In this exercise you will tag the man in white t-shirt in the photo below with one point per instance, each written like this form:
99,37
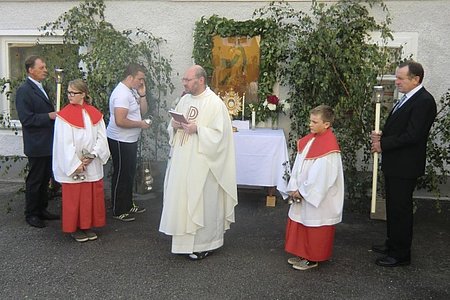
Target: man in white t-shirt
127,104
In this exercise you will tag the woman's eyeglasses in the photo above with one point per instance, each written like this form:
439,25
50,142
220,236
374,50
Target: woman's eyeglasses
72,94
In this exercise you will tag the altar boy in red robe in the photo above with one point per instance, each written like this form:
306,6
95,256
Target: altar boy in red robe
316,190
80,149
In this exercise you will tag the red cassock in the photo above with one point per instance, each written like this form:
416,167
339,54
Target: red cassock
83,205
314,243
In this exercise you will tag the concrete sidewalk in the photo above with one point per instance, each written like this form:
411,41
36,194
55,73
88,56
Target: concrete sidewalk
133,260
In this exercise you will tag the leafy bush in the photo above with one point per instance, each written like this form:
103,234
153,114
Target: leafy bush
330,60
104,54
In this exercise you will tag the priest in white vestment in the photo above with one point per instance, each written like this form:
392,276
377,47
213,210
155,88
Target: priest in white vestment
200,190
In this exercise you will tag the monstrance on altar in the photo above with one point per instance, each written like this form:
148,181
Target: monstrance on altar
233,102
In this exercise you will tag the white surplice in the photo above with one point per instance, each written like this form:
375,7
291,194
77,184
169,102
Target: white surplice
321,183
69,142
200,190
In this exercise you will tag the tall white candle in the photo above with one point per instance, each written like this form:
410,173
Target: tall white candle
253,119
59,76
378,93
243,106
373,202
58,96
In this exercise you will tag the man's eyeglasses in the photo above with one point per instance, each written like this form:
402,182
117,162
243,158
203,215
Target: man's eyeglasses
72,94
188,79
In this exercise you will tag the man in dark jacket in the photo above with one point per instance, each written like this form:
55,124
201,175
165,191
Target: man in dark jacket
403,144
37,115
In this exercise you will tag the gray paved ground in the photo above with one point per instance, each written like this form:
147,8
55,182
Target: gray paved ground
133,260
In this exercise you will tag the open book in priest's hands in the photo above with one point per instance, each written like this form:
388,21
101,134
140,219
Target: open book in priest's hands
178,116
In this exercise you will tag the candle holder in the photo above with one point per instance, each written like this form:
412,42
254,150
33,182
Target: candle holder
59,74
378,93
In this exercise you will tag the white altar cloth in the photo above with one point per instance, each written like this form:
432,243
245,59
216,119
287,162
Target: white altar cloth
261,158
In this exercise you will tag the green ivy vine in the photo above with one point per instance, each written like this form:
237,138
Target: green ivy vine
95,51
330,61
104,54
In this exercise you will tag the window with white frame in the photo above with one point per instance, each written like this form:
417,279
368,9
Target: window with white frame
403,45
16,47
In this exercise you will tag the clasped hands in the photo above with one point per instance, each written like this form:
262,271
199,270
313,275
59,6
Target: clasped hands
85,161
376,141
189,128
294,197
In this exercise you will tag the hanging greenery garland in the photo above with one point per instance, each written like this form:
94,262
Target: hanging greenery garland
270,51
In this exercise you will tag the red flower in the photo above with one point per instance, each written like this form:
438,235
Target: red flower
273,99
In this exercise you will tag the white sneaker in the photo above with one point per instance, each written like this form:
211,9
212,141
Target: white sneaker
137,209
124,217
305,265
295,260
92,236
79,236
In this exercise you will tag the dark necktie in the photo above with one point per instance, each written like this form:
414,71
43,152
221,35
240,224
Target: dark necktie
42,90
399,103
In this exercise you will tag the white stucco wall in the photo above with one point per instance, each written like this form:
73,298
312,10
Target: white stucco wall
175,21
431,21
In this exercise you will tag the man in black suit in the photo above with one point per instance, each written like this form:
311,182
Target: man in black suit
403,144
37,115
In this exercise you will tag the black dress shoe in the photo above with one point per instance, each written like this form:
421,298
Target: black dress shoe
35,222
382,249
46,215
389,261
199,255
